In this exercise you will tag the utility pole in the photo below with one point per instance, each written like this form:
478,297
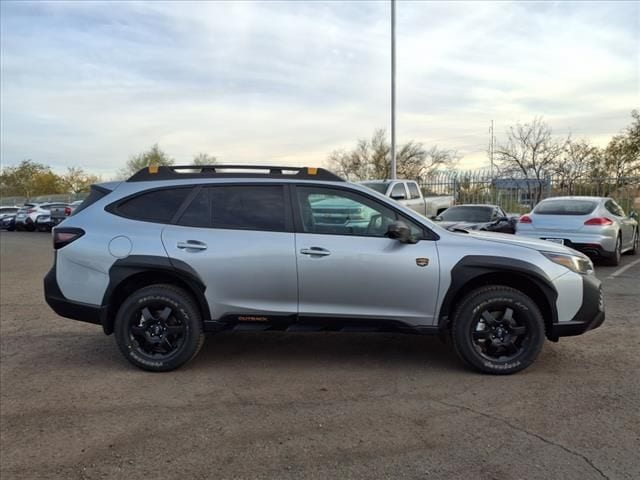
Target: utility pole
393,89
491,148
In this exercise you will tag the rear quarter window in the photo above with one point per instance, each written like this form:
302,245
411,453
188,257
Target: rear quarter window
566,207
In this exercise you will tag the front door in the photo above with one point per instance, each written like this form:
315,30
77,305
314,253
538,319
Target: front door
348,268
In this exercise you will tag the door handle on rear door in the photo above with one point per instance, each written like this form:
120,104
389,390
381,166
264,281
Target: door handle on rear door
322,252
192,245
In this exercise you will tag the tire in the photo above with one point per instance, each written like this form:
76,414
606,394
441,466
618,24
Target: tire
159,328
614,260
491,340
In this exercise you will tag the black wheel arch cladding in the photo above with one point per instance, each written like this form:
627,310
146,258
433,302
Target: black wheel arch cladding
472,267
125,268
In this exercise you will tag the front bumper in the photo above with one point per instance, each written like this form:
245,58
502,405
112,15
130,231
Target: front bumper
591,314
68,308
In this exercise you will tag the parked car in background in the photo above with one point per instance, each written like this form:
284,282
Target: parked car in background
597,226
8,211
34,215
408,193
490,218
57,215
8,222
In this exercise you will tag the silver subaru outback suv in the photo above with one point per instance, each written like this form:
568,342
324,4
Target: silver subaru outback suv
174,252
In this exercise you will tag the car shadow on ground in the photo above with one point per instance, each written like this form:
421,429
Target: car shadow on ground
327,349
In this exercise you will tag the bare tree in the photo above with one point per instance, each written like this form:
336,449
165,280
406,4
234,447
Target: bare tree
370,159
530,151
574,164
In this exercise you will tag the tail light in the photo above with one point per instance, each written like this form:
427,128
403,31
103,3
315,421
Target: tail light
525,219
67,211
64,236
600,221
30,210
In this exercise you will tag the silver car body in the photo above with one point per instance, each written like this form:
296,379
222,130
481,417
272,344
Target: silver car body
257,272
572,230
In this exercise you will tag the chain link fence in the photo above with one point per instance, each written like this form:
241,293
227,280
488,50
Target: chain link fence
519,195
56,197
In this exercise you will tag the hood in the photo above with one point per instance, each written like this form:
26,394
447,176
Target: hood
528,242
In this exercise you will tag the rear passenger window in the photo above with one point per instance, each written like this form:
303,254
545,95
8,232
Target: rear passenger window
248,207
198,213
156,206
413,190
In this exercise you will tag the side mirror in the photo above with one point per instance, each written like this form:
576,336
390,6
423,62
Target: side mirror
401,196
633,215
400,231
436,218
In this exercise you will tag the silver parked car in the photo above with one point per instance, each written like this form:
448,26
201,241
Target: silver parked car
174,252
596,226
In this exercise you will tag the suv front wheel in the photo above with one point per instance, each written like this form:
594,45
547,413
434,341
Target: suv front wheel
498,330
158,328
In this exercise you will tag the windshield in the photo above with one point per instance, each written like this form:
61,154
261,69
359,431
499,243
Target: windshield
467,214
565,207
380,187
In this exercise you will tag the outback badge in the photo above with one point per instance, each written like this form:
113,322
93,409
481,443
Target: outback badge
422,262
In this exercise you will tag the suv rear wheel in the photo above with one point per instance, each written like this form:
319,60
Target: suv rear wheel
497,330
158,328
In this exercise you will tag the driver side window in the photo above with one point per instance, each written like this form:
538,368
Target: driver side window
338,212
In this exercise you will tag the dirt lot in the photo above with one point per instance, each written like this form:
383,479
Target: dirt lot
309,406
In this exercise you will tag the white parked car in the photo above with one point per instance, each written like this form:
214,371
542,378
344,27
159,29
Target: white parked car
596,226
31,214
8,211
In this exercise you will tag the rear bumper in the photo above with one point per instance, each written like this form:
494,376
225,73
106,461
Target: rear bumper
591,314
591,244
68,308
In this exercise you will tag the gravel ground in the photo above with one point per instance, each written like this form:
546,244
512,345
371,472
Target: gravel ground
319,406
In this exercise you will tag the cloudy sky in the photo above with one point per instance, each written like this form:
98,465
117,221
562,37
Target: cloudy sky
90,83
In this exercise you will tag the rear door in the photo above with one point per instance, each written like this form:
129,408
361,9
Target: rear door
348,268
239,239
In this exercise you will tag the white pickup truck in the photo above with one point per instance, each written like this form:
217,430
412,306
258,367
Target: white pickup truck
408,193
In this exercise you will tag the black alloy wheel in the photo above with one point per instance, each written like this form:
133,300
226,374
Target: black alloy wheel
159,328
497,329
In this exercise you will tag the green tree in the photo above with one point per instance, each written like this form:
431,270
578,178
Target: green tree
371,159
620,159
153,156
76,180
29,179
204,159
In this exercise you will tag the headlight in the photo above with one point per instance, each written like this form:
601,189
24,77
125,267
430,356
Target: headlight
575,263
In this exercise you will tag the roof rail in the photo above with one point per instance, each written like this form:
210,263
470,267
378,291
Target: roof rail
173,172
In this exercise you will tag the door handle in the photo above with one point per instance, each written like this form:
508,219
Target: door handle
192,245
321,252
